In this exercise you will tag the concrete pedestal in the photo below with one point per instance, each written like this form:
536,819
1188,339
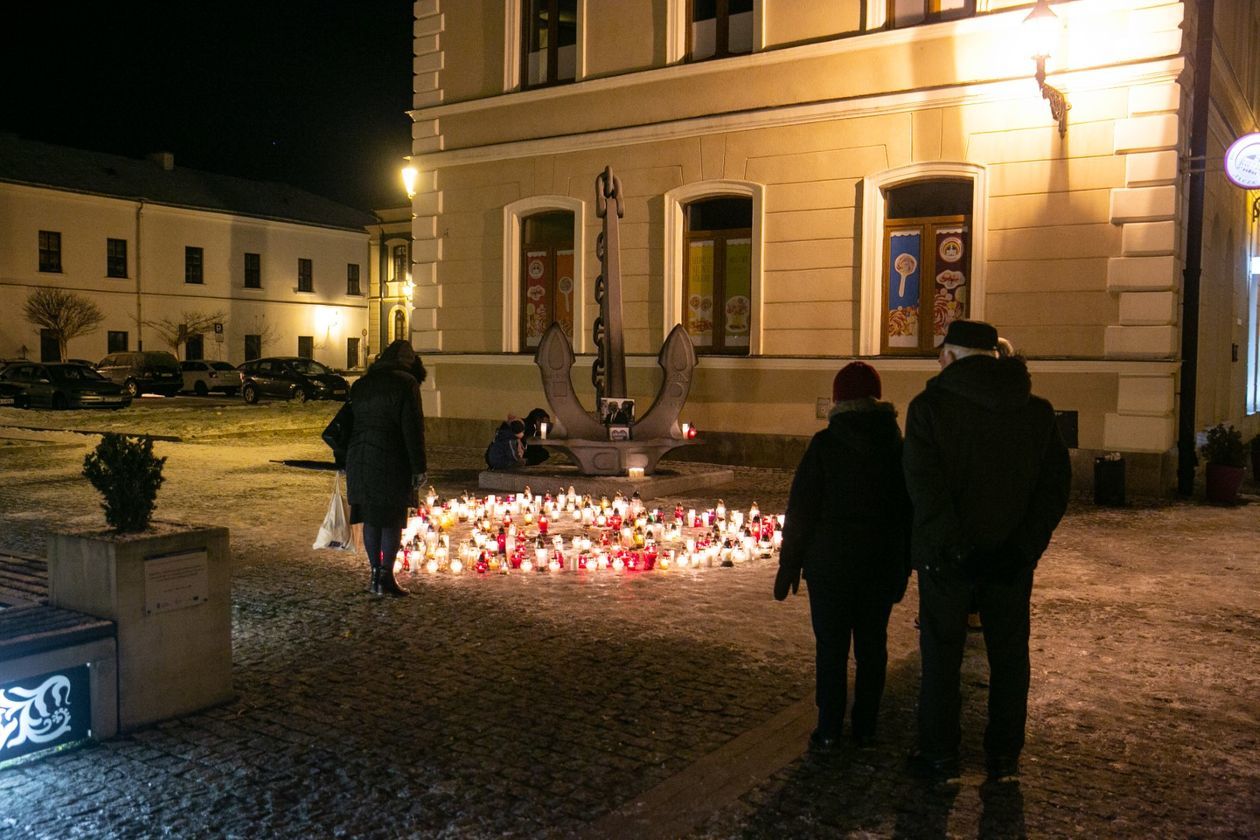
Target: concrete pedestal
169,591
547,478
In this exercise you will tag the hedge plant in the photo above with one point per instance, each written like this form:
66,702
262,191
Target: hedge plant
127,474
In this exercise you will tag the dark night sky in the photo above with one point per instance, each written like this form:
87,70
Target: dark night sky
312,94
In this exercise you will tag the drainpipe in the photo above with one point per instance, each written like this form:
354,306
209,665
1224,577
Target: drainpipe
380,288
139,293
1186,424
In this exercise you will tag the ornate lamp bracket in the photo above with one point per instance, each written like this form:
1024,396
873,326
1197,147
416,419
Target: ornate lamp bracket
1059,105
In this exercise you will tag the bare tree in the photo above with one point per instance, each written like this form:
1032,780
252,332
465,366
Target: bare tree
65,314
267,331
176,331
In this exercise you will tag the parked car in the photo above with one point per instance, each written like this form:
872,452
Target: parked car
143,372
291,377
64,385
12,395
202,377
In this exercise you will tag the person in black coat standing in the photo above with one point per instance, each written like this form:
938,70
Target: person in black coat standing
846,527
989,476
385,461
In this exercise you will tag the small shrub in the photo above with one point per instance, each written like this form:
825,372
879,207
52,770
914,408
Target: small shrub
124,470
1224,446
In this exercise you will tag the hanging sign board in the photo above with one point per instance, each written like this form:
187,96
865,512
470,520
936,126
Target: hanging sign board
1242,161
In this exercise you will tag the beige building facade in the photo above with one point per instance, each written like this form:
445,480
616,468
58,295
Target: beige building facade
806,183
147,241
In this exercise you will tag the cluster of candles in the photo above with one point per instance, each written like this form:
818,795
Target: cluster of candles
518,532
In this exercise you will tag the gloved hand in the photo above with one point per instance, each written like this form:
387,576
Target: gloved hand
788,577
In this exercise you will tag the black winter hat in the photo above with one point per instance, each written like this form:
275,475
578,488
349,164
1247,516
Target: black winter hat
974,334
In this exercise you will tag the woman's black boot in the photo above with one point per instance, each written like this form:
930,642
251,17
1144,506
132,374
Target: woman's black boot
375,585
389,586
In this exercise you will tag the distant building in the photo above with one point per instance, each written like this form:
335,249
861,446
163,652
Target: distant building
809,182
148,241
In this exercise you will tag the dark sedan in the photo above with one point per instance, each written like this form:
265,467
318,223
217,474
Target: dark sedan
12,396
64,386
291,377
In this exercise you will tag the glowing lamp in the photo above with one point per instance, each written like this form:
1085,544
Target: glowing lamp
1041,30
410,178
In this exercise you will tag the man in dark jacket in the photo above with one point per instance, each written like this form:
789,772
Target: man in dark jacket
847,523
385,461
989,477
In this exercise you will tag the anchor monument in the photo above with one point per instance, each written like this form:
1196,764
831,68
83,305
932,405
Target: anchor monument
581,433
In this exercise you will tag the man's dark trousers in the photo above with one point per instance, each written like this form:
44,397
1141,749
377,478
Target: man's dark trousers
836,611
943,607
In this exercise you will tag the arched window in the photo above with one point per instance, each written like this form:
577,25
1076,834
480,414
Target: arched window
400,325
927,263
547,285
923,255
717,274
542,235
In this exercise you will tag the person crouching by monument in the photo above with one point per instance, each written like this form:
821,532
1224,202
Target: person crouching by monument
507,450
385,461
989,476
847,527
534,421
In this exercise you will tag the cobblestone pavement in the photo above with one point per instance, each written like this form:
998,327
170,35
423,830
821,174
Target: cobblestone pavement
531,705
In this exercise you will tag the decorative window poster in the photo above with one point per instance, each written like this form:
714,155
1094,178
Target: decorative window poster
902,286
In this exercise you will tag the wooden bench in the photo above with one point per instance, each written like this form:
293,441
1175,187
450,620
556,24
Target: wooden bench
23,580
61,665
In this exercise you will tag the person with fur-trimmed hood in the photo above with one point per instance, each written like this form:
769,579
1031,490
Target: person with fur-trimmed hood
385,460
847,528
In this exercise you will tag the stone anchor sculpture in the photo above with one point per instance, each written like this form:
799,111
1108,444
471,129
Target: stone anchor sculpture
578,431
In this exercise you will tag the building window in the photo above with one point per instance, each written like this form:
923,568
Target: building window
399,260
49,250
352,279
306,281
719,28
253,347
717,274
926,264
49,346
116,341
1253,339
306,346
195,347
400,325
914,12
253,271
194,260
550,42
115,257
547,287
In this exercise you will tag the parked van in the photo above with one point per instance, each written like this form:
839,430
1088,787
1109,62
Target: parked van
147,372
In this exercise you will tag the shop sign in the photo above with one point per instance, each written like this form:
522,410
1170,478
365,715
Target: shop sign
1242,161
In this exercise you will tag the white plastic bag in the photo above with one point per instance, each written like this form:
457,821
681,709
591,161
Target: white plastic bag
335,532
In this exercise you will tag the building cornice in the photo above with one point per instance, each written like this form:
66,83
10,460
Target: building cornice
998,23
1150,72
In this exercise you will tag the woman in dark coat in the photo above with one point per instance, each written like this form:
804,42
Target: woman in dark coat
385,463
848,526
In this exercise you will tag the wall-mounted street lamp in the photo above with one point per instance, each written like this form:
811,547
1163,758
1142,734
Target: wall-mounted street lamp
410,177
408,289
1042,30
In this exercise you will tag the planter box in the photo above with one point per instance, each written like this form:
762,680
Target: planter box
169,591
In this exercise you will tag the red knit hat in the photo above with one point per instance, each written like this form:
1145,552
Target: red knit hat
854,381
